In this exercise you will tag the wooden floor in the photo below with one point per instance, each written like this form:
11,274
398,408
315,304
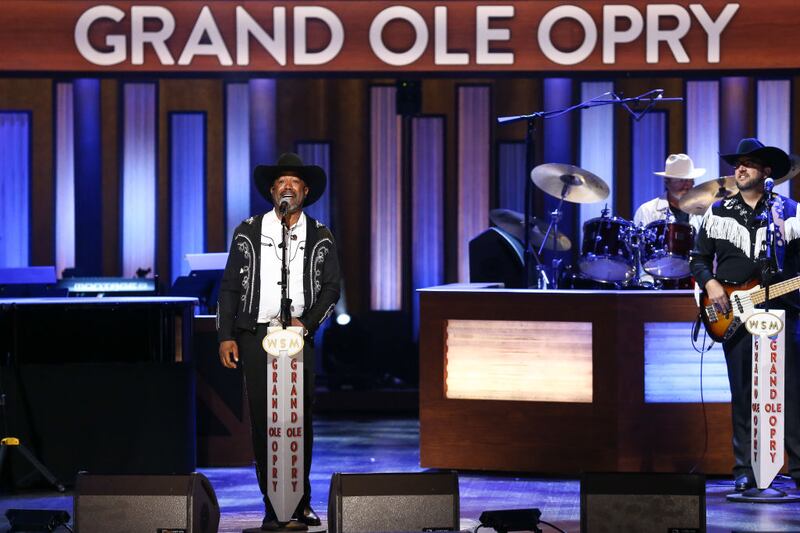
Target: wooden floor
391,444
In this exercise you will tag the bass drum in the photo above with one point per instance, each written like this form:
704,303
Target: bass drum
605,252
666,249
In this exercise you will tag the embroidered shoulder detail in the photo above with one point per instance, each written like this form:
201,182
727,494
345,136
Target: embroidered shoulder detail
319,224
250,220
728,229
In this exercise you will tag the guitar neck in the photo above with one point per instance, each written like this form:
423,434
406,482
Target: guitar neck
779,289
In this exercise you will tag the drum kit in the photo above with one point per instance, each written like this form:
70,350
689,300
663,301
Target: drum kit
615,253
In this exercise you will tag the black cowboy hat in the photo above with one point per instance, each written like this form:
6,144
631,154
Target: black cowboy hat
769,156
290,163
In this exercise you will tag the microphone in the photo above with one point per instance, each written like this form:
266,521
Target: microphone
283,207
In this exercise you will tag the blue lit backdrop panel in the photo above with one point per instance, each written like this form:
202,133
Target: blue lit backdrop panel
238,174
649,152
15,162
427,192
596,148
702,126
187,179
319,153
263,118
736,99
139,178
511,175
88,177
773,117
65,178
386,215
558,148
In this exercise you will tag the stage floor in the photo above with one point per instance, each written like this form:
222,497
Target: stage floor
391,444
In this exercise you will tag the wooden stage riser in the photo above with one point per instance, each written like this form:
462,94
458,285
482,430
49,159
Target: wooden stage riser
616,430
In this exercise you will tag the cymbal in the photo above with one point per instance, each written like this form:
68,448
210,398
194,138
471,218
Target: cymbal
794,170
577,185
700,197
513,222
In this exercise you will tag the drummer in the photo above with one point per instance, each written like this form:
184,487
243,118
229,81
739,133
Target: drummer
679,174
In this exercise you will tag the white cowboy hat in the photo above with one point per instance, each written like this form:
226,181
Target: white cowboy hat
680,166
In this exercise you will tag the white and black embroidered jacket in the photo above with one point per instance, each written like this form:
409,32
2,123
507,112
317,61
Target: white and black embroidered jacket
237,307
735,233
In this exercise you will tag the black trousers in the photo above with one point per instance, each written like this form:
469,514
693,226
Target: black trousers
739,359
254,365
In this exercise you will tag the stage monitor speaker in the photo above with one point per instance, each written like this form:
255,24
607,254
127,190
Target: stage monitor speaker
496,256
360,503
137,503
643,502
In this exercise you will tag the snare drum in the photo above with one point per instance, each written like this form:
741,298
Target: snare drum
605,253
666,249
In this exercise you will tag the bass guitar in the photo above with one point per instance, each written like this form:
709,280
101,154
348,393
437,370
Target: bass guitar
744,298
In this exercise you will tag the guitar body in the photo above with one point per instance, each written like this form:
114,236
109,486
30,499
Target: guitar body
722,327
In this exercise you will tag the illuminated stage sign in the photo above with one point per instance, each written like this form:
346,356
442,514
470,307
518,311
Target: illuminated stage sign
423,36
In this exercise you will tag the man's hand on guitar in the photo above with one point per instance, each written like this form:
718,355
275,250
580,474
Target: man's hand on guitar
717,295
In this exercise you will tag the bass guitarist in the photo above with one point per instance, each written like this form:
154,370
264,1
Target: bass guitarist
732,232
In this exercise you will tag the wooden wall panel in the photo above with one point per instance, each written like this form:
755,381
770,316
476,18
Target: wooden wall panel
616,431
192,95
37,96
439,98
348,129
111,142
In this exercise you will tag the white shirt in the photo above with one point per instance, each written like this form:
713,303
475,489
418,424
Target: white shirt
269,305
656,209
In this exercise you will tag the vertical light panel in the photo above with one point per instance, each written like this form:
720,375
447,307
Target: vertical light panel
649,149
702,126
427,192
474,124
559,147
773,115
511,175
387,195
187,179
319,154
65,178
597,147
15,171
672,367
237,156
88,177
139,178
263,117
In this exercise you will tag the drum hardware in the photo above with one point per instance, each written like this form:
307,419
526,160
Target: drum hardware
581,186
513,223
570,183
700,197
540,235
